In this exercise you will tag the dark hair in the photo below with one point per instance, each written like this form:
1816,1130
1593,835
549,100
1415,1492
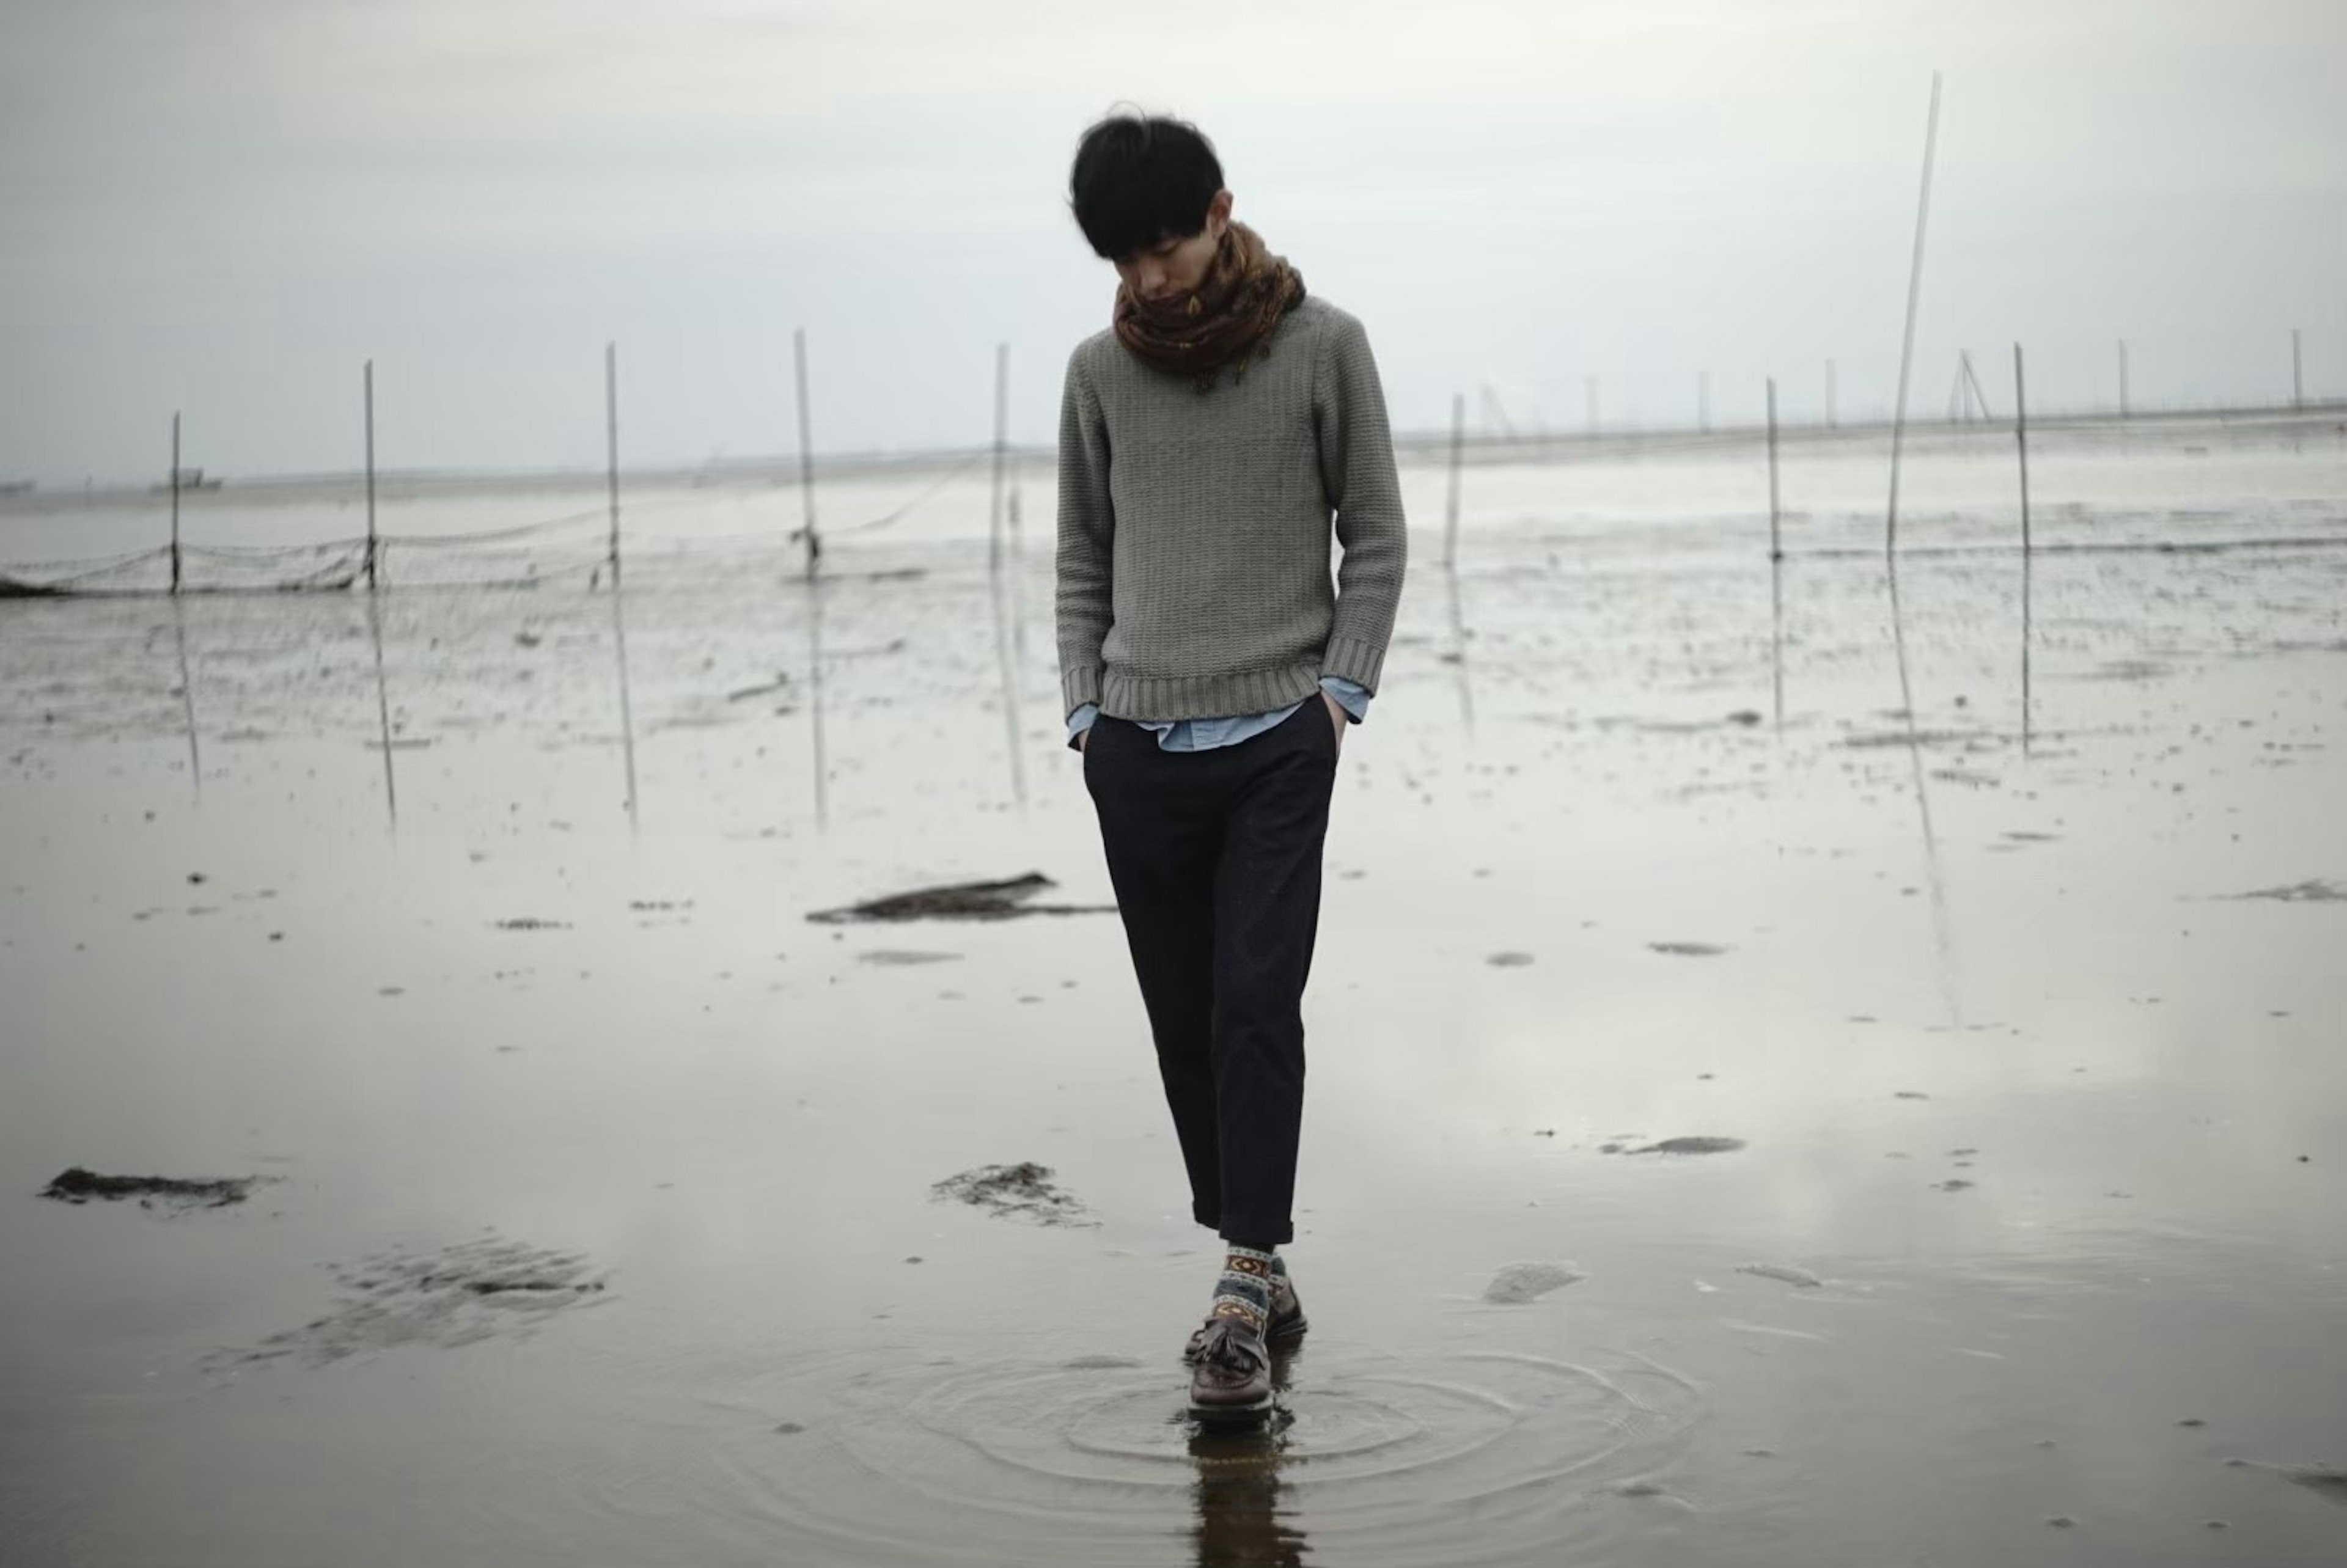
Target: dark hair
1139,179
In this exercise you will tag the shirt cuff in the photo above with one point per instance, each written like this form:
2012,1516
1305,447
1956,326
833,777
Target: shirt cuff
1082,720
1351,696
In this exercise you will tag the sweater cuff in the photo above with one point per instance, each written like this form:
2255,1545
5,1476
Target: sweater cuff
1355,659
1079,686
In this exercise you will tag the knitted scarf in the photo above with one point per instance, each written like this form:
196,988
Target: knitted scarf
1228,321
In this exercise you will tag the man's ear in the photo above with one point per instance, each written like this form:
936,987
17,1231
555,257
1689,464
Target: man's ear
1218,213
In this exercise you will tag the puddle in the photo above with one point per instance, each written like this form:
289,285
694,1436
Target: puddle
1522,1282
458,1296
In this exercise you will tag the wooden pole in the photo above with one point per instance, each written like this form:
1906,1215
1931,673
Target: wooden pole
1972,381
371,547
1450,517
1914,292
175,503
1002,445
2021,439
1776,540
806,457
612,449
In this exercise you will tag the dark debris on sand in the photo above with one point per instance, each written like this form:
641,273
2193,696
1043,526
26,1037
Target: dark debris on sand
1696,1145
2317,890
1003,900
1023,1190
77,1185
2324,1481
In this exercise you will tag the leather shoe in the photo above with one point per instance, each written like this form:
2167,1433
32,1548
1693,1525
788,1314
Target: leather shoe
1286,1326
1233,1374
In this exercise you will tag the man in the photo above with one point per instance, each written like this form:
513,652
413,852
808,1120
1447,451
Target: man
1209,439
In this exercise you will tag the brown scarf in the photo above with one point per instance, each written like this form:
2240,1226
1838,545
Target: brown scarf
1228,321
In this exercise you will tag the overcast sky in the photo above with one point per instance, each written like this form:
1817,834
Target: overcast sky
225,206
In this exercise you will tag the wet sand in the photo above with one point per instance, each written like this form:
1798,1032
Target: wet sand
1756,1117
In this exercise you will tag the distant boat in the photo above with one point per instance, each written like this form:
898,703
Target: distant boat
191,479
15,487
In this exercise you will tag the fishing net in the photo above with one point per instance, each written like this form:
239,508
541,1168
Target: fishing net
668,533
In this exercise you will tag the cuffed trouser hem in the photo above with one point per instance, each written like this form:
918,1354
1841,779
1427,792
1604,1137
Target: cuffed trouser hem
1239,1228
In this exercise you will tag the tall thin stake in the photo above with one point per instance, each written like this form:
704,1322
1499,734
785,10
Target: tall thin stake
2021,439
1001,446
1451,515
1973,387
371,549
1776,541
806,457
2297,373
1914,293
175,503
611,449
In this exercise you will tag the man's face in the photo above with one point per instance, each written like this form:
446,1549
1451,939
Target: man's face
1174,267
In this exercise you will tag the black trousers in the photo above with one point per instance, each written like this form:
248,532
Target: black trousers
1215,857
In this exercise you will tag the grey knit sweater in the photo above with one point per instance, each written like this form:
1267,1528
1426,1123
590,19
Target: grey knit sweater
1194,576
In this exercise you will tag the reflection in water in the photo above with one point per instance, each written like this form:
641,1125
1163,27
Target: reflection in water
2027,572
383,710
1457,658
1238,1490
1944,963
1776,633
1004,593
626,714
815,590
187,696
1018,576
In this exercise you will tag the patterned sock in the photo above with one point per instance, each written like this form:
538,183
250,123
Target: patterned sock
1244,1289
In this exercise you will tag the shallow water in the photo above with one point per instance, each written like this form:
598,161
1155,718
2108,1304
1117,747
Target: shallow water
2024,1209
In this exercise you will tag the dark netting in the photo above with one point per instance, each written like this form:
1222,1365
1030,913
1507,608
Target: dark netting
573,550
140,571
261,569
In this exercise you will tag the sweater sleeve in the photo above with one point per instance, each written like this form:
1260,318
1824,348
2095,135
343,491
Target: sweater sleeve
1087,531
1364,491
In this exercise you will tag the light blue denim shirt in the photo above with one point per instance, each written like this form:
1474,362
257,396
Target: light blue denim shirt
1208,734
